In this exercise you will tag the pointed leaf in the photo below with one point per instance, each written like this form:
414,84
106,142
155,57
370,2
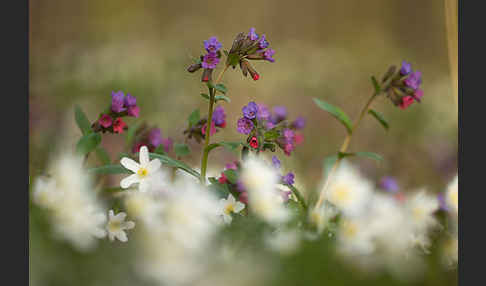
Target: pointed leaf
175,163
160,150
271,134
231,176
103,155
221,88
231,146
376,85
181,149
380,118
336,112
131,132
205,96
370,155
222,97
194,117
82,121
88,143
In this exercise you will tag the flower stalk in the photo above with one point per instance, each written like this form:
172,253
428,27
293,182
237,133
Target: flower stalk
204,159
343,149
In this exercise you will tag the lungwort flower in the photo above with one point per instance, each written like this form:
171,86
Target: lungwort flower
117,225
143,171
228,206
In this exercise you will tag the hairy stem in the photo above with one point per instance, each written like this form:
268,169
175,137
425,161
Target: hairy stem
343,149
204,159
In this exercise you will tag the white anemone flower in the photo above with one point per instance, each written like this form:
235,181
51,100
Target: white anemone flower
74,211
452,196
117,225
228,206
349,191
265,200
421,208
143,171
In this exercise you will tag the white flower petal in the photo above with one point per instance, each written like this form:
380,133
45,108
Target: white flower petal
231,199
128,181
120,217
153,166
227,218
143,186
128,225
239,206
130,164
122,236
111,214
144,156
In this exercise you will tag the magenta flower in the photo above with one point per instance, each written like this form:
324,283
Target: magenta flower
406,102
280,114
267,55
250,111
413,80
263,112
288,148
219,116
212,45
210,61
155,137
406,68
289,178
213,128
262,43
418,94
130,100
275,162
117,101
119,125
288,135
167,143
252,35
299,123
133,111
245,125
231,166
105,120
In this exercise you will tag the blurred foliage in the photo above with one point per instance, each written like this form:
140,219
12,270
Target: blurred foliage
82,50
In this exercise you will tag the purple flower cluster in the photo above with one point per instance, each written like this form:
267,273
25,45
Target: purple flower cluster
412,81
198,130
121,105
210,60
270,127
153,139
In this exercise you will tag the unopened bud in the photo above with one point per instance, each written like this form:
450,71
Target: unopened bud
194,67
389,73
206,76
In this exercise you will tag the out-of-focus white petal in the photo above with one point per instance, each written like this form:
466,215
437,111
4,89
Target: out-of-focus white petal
130,164
128,181
144,156
153,166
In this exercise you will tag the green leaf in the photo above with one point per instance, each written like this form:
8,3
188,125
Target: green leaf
380,118
376,85
82,121
175,163
88,143
181,149
225,52
233,59
370,155
222,97
299,196
160,150
231,176
336,112
109,169
194,117
271,134
205,96
221,88
231,146
103,155
132,130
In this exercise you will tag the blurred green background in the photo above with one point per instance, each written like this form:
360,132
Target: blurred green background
82,50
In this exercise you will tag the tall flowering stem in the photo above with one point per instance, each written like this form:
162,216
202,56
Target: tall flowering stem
343,149
204,159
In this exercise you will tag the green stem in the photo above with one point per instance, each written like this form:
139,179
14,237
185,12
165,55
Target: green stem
204,159
299,196
343,149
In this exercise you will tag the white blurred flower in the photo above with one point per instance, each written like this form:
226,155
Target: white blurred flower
320,217
265,200
176,239
420,208
348,190
228,206
144,171
450,252
452,196
283,241
75,213
117,225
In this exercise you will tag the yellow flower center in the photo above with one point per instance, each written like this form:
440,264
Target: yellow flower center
350,229
142,172
229,208
342,194
114,226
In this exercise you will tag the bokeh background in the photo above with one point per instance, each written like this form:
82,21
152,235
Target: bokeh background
82,50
